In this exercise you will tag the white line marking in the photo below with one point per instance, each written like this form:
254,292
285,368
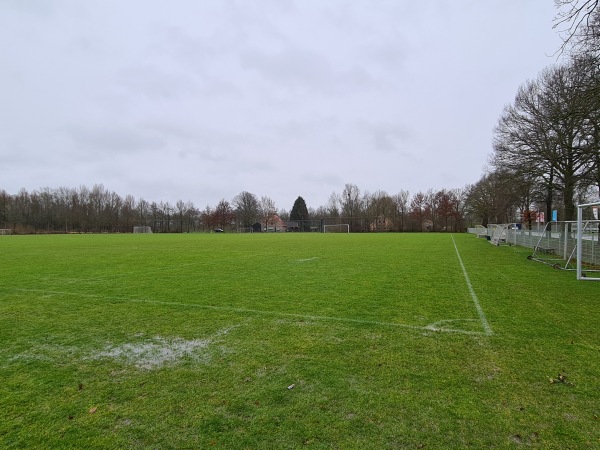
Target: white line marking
484,322
307,259
431,327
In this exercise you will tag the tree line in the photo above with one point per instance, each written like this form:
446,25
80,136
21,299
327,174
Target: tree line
100,210
545,147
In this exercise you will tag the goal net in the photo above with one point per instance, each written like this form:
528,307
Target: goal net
480,231
588,245
142,229
5,231
570,245
338,228
504,233
556,245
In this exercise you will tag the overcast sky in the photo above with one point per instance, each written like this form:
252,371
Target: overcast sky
202,99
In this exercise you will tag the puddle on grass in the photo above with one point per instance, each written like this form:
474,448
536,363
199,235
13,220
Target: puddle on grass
141,352
154,353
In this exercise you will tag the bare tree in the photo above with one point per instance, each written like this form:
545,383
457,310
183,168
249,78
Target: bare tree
267,210
246,207
351,203
180,210
578,22
545,134
333,205
418,211
401,199
381,211
493,199
459,201
224,214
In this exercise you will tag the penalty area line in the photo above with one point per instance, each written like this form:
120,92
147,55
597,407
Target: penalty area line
482,318
427,328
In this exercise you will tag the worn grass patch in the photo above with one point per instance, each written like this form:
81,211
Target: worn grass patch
293,340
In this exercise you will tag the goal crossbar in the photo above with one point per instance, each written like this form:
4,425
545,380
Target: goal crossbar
337,228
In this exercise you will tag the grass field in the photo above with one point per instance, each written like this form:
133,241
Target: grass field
292,341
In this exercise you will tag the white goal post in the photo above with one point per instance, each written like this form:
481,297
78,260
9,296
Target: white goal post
5,231
338,228
588,245
503,233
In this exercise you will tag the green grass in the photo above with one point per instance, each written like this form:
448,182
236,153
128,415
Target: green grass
191,341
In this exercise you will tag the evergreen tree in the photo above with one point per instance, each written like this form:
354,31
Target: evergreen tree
299,213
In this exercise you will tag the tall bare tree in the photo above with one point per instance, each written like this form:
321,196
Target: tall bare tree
267,210
351,204
401,199
493,199
246,207
224,214
545,134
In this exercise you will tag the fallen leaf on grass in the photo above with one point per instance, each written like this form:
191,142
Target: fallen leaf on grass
93,410
561,378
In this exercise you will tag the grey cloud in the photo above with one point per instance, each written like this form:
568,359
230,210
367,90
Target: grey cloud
155,82
112,139
304,70
386,136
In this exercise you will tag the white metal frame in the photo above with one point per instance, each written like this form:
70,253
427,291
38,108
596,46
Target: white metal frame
502,234
337,225
580,232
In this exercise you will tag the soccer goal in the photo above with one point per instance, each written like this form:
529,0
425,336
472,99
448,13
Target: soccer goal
338,228
143,229
480,231
588,245
504,233
571,245
556,245
5,231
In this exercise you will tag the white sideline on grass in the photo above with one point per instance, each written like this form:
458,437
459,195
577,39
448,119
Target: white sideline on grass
484,322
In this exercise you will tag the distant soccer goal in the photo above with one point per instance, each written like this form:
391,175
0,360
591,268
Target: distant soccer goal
5,231
338,228
588,245
143,229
